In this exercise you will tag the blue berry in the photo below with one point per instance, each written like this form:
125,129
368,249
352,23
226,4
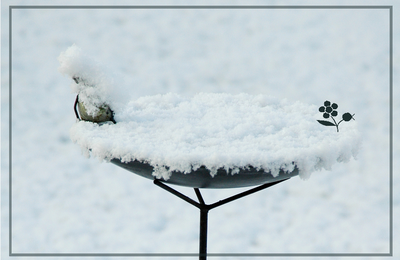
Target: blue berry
347,117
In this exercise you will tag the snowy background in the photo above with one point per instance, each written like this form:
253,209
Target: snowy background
63,202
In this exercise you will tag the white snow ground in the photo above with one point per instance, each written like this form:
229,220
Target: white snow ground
63,202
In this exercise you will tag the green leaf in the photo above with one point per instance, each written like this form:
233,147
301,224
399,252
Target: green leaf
327,123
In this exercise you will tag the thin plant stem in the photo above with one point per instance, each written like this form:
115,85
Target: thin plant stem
337,125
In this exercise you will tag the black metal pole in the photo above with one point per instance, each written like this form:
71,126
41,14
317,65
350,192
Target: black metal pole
203,233
204,208
203,225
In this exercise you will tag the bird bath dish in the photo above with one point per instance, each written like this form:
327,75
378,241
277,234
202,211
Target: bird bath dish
209,140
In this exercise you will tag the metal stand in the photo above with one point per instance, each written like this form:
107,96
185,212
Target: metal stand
204,208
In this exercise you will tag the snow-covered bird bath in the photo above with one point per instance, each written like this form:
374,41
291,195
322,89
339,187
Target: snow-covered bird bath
219,133
209,140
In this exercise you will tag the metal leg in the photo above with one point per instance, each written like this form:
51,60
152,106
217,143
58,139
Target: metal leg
204,208
203,234
203,225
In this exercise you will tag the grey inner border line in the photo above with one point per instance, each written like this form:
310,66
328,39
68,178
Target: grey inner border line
200,7
391,129
196,255
390,8
9,130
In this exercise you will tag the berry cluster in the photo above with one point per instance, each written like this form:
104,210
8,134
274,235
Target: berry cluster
329,110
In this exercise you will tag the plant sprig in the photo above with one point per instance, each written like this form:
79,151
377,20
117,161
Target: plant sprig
329,111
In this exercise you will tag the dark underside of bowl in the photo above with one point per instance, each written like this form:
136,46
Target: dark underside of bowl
201,177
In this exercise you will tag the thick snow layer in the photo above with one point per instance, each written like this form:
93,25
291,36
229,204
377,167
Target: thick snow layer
215,130
97,86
